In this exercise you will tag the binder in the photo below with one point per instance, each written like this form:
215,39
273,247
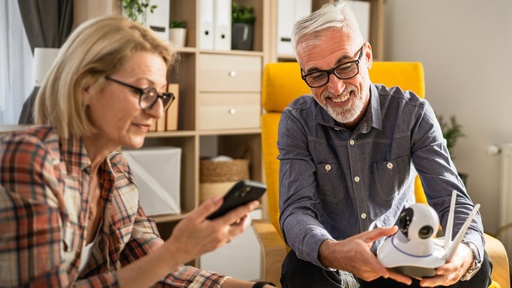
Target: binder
361,11
206,24
158,21
171,115
169,121
222,22
288,12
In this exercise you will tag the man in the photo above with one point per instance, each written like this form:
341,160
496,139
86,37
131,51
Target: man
349,155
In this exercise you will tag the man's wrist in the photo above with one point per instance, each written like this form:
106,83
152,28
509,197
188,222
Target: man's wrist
324,252
476,262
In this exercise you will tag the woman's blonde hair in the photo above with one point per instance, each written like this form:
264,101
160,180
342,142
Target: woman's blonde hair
97,48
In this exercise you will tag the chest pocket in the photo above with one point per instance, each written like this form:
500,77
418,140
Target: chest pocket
390,176
330,182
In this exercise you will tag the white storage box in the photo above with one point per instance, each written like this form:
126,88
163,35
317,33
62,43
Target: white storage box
157,174
241,258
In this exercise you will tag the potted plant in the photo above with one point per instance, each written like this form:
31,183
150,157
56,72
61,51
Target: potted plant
178,33
137,9
242,26
452,131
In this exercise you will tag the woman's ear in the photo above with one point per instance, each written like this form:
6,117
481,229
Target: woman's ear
87,90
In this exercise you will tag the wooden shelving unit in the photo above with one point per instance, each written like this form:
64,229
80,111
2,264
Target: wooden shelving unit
200,95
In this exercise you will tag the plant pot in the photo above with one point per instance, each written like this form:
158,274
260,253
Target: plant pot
241,36
178,36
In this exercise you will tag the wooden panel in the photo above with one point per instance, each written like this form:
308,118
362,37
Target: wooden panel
229,73
85,10
228,110
274,250
499,259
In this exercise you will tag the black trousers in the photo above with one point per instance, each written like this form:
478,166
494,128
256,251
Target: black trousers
297,273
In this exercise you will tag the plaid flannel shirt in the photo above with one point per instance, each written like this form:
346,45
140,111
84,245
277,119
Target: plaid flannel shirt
43,217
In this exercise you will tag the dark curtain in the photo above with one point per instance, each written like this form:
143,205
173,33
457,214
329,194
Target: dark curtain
47,23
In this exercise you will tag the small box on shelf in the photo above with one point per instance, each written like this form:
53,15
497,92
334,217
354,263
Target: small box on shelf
157,173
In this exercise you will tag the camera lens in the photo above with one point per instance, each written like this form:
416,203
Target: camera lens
425,232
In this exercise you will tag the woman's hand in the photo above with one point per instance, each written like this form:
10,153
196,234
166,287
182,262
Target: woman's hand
196,235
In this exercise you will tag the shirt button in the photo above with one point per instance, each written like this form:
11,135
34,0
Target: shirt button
390,165
357,179
327,167
363,215
352,142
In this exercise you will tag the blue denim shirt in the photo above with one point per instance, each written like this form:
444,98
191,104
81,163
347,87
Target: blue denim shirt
335,183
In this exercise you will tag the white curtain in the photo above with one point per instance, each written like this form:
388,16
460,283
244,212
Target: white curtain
15,63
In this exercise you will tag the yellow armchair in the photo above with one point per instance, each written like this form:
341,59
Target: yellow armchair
282,84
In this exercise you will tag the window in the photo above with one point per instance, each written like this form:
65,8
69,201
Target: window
16,58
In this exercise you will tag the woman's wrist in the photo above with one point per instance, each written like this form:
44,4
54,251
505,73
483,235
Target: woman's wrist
261,284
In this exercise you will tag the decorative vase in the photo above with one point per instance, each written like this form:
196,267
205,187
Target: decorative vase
178,36
241,36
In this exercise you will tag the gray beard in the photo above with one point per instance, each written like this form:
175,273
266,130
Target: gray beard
346,114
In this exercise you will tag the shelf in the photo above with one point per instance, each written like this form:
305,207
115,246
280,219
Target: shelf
167,218
250,131
178,133
10,128
232,52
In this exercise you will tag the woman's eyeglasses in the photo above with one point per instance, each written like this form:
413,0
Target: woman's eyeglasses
148,96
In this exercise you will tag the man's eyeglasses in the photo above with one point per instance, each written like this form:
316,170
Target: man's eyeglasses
343,71
148,96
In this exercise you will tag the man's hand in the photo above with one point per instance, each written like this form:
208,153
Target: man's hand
450,273
353,255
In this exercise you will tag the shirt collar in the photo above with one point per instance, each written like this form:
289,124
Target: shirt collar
74,154
374,108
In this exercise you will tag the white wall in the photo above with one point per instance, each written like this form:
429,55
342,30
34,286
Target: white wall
465,47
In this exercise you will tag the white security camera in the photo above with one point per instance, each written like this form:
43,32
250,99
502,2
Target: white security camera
417,226
413,250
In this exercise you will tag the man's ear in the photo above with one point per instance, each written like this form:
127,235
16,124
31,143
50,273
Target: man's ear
369,55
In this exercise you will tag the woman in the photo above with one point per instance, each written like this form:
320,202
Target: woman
69,205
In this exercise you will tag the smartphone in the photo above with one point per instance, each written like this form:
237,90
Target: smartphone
243,192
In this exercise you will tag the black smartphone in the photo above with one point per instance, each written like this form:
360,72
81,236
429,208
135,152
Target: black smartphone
243,192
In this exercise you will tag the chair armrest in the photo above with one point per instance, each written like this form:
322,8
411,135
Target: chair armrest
499,259
273,249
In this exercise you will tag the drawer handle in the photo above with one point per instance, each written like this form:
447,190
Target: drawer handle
232,73
232,111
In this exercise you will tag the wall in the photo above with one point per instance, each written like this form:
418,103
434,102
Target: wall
465,47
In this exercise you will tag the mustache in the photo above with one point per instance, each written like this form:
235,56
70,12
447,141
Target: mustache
346,91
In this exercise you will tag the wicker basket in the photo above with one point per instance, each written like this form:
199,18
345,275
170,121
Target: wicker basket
216,177
207,190
223,171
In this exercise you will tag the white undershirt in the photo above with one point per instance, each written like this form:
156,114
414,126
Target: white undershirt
86,251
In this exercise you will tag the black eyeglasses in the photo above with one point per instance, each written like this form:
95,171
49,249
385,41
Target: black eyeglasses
148,96
343,71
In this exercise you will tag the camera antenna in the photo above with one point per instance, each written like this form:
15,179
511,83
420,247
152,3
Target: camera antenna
452,246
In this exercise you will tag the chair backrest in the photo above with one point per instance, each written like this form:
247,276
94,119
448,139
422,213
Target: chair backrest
282,84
